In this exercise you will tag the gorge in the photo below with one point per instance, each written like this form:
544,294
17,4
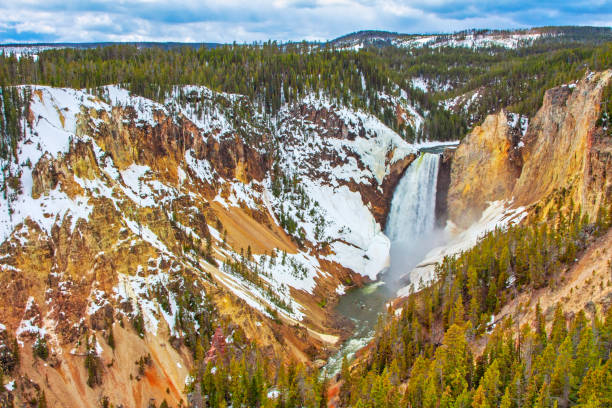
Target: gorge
410,227
184,244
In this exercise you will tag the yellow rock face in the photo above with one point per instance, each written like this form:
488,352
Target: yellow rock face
484,168
564,150
563,158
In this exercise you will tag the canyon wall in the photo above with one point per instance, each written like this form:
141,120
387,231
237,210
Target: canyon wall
133,230
561,158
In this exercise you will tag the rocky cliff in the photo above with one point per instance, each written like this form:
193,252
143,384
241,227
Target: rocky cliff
564,149
133,230
561,159
512,167
484,168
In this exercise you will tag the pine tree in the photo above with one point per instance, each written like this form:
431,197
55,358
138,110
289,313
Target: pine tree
597,386
540,324
559,327
487,393
457,312
586,354
561,379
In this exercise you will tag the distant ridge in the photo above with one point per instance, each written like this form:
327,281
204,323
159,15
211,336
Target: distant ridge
510,38
477,37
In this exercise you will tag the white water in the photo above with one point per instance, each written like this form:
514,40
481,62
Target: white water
413,206
412,217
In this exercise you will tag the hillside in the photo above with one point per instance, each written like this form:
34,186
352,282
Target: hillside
177,218
517,310
473,38
178,224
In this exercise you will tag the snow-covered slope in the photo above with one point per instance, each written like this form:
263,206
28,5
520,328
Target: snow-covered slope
277,212
469,39
329,168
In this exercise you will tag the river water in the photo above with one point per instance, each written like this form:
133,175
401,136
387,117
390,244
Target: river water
411,229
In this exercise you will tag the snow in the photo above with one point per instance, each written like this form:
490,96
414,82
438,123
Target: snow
427,85
221,201
248,292
298,271
137,190
215,234
20,51
145,108
28,326
55,113
98,348
147,235
10,386
470,40
491,324
420,83
308,266
134,290
207,115
201,168
372,150
267,201
413,117
273,394
520,122
341,289
138,289
241,193
366,262
465,101
45,211
97,300
359,242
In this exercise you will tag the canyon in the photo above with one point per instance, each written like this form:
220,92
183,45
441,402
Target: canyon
156,224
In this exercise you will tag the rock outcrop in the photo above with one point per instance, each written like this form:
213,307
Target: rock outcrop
443,185
561,160
564,150
484,168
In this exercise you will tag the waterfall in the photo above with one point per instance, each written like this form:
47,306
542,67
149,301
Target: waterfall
410,227
413,207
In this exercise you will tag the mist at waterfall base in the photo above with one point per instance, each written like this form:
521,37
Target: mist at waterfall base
411,224
407,254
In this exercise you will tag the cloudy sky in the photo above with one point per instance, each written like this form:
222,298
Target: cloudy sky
260,20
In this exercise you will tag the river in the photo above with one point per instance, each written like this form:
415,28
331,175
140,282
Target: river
411,229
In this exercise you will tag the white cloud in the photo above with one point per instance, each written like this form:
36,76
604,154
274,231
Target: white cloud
258,20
